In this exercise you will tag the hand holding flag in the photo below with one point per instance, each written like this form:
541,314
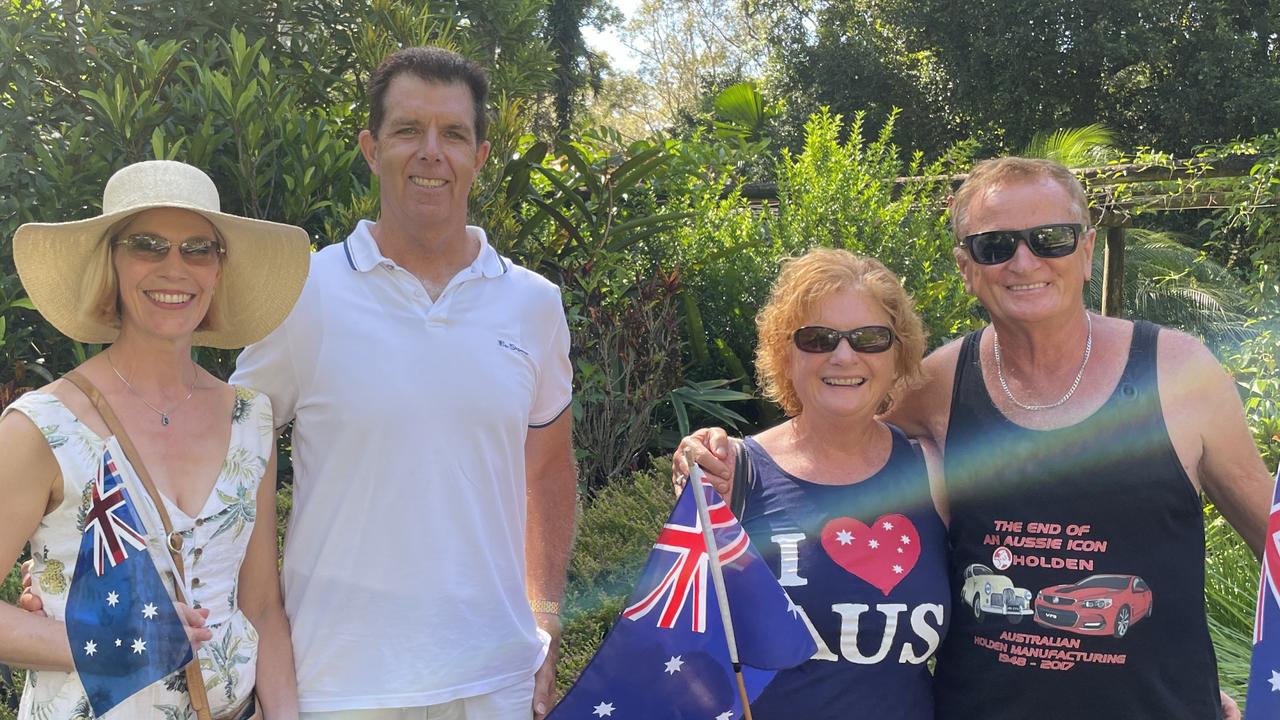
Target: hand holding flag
667,656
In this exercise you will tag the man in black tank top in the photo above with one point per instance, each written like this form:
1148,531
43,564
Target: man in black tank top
1076,447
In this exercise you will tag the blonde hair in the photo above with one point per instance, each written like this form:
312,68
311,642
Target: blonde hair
996,172
804,283
100,288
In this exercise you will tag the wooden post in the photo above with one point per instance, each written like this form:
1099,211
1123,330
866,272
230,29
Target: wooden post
1113,273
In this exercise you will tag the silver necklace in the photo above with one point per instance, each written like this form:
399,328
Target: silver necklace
164,414
1004,384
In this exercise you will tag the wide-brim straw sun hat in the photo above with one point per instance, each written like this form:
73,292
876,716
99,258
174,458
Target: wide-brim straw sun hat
263,270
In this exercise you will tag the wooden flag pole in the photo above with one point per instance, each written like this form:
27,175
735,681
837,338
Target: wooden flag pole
717,576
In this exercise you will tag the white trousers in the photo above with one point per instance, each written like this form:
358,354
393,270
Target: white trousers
514,702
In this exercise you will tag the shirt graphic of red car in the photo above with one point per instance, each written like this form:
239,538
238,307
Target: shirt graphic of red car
1097,605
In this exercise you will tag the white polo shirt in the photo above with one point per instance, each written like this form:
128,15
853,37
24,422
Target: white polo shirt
404,562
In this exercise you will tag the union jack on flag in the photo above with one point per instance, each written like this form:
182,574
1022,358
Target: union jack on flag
655,663
107,520
124,631
688,574
1264,674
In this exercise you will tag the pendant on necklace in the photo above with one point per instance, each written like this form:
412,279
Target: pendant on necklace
164,418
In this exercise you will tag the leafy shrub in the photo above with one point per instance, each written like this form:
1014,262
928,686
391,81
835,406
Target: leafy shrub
616,528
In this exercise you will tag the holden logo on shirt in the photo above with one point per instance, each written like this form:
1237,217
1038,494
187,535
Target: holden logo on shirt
882,553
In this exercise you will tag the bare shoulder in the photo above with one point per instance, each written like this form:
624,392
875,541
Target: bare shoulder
1189,373
25,456
924,410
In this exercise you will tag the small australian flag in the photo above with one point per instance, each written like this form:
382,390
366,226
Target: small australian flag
666,656
124,630
1263,702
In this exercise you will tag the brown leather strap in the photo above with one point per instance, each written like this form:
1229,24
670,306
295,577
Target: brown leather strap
195,677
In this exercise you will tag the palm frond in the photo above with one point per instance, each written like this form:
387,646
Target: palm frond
1073,147
1173,284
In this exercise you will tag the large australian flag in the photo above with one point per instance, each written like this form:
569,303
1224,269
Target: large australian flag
1263,702
124,631
666,656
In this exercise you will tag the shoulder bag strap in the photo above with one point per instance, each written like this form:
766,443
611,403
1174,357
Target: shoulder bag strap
195,677
743,477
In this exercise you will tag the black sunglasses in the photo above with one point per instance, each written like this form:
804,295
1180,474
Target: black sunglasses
1046,241
819,339
154,248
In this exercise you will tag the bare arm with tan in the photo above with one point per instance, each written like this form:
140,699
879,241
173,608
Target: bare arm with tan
552,485
1209,432
924,411
30,483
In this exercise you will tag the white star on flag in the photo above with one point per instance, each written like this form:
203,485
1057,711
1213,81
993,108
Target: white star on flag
844,537
726,715
673,665
113,598
90,648
900,552
117,642
887,525
603,709
906,540
897,569
149,611
138,646
792,607
1275,681
873,544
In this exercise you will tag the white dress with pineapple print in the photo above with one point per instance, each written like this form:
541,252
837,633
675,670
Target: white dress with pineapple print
214,544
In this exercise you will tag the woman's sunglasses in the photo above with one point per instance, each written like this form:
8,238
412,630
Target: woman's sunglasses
868,339
1047,241
154,248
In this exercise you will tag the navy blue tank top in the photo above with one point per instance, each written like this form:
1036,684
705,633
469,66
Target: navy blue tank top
1078,558
866,565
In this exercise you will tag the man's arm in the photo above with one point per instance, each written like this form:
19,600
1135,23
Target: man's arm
1207,425
923,411
552,486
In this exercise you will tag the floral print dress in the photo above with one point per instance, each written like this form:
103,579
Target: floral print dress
214,544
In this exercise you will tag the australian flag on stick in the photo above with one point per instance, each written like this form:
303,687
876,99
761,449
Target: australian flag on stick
666,656
1263,702
124,630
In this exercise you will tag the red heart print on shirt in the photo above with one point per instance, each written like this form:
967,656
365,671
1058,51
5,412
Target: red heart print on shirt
883,553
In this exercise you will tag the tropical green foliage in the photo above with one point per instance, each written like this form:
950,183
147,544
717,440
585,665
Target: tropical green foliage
1170,283
1172,74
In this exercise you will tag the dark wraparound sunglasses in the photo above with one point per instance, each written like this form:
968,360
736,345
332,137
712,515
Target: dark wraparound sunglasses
154,248
868,339
1046,241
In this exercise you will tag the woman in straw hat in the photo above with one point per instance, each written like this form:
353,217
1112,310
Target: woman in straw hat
161,270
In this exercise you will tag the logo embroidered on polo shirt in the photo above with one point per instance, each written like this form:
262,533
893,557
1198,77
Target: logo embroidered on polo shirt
513,346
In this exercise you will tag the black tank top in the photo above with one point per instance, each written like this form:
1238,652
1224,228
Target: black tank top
1077,561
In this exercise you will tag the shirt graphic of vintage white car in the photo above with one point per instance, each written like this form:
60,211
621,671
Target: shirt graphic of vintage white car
986,593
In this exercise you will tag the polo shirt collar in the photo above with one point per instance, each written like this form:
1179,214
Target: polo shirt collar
363,254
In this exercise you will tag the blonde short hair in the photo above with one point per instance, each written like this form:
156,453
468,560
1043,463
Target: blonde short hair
100,288
804,283
996,172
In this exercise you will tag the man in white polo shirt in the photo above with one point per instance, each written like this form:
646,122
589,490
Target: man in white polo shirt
428,380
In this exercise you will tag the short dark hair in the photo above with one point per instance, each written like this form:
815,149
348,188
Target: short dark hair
433,65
